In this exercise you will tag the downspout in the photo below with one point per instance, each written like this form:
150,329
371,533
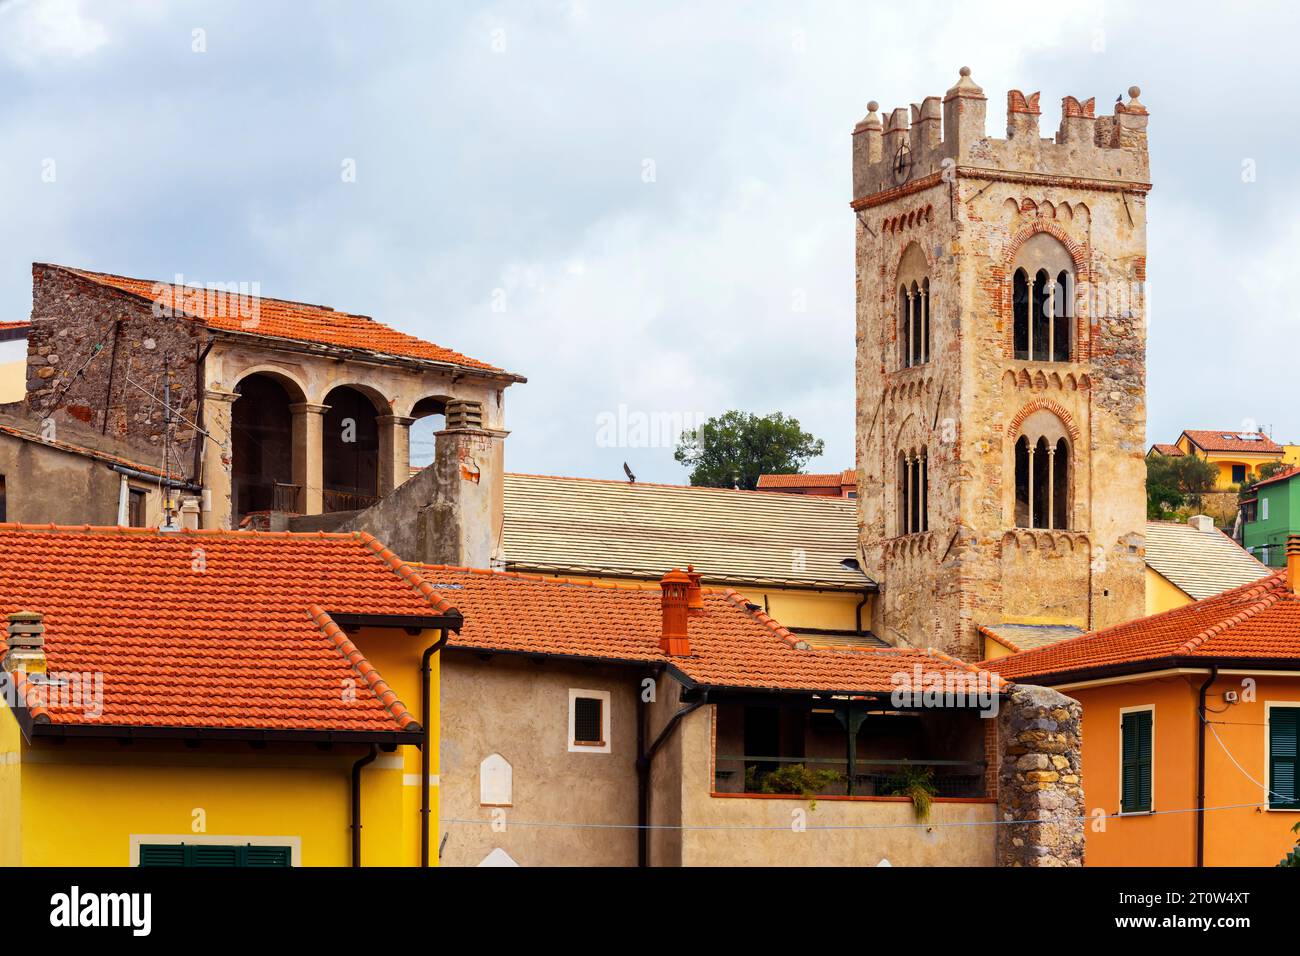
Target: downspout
1200,766
643,767
426,759
857,612
356,801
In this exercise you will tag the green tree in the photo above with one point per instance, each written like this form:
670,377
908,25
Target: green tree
1176,481
734,448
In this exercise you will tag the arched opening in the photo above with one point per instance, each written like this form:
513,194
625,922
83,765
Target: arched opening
1042,308
913,492
430,416
1042,483
350,448
913,308
261,442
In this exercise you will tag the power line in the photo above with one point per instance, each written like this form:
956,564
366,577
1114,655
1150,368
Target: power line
844,826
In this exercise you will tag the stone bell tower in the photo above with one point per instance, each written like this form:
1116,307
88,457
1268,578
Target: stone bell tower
1001,377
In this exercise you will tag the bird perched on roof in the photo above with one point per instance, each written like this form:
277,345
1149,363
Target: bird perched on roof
631,478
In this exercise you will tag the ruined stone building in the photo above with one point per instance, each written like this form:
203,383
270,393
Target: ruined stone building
1001,338
263,407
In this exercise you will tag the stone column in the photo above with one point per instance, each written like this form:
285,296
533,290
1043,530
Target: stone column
309,455
394,451
1040,788
215,503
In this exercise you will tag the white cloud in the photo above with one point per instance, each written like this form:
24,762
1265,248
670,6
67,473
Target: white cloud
41,31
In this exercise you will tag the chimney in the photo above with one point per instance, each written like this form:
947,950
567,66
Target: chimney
1201,522
26,643
694,596
1292,564
676,587
190,514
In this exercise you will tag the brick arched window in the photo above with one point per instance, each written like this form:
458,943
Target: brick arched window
1042,474
913,491
913,309
1042,301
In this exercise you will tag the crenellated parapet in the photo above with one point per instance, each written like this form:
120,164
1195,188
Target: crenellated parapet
913,146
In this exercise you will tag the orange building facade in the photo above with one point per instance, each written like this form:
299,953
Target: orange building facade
1163,786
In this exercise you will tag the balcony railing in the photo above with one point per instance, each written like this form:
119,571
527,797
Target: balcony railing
285,497
872,777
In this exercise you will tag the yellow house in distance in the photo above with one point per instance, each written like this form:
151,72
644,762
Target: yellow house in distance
220,696
1238,456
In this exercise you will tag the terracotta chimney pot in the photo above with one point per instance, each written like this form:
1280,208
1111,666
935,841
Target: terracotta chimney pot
673,640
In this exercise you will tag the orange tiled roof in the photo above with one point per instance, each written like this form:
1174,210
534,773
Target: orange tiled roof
278,318
835,480
1228,440
1255,621
245,641
1172,451
731,645
8,326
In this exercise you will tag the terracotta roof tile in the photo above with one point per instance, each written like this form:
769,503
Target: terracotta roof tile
1259,620
836,480
1228,440
731,644
278,318
1173,451
244,639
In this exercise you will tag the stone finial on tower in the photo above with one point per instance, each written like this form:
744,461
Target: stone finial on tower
964,109
1131,121
1022,115
1078,120
867,134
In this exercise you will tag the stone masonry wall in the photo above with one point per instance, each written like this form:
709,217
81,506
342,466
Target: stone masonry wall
86,340
964,207
1040,785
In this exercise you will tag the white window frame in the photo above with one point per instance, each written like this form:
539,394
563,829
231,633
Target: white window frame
1268,752
603,697
1119,764
1263,507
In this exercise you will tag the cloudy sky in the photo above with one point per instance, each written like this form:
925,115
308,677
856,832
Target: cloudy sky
637,205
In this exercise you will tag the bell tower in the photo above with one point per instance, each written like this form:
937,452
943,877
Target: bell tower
1001,368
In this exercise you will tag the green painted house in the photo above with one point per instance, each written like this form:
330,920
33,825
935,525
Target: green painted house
1269,515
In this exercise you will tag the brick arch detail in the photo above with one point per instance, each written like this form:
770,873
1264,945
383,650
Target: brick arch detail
1003,272
1044,404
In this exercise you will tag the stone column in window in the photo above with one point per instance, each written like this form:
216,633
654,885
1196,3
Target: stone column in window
1051,486
1032,447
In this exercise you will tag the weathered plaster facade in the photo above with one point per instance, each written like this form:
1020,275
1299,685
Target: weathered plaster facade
960,212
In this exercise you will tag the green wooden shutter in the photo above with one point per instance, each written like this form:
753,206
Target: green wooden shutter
1283,743
162,854
208,854
1135,762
